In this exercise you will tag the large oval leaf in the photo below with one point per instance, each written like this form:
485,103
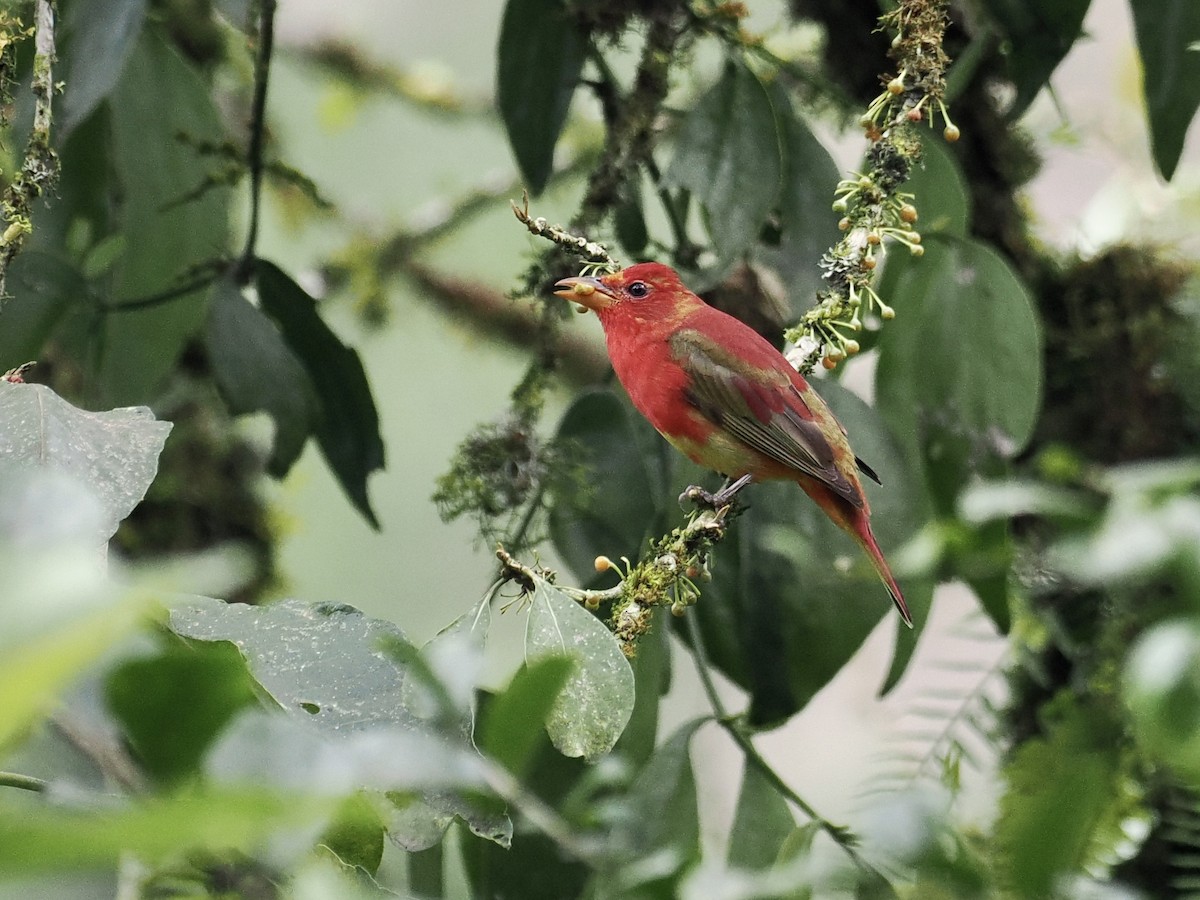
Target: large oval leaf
597,700
1167,32
728,155
964,353
539,58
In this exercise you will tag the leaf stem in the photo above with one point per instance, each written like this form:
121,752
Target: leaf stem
258,115
840,835
166,296
23,782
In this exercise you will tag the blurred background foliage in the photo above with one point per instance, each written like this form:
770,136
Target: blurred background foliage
315,273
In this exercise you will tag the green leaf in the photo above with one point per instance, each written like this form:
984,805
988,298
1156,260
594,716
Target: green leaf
197,687
963,356
807,221
540,56
115,452
595,704
1037,35
660,821
792,596
939,191
43,288
257,372
509,737
100,35
1170,73
1060,785
762,823
152,830
1162,690
348,426
322,663
728,154
652,677
158,97
319,661
626,483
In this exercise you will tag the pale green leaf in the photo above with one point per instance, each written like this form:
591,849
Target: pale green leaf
595,704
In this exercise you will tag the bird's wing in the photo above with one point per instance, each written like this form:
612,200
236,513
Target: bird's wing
761,408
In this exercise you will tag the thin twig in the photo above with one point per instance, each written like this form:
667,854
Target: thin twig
258,127
23,782
165,296
840,835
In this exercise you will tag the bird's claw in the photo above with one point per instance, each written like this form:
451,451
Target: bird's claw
694,495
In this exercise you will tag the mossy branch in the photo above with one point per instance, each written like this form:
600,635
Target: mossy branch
39,167
872,204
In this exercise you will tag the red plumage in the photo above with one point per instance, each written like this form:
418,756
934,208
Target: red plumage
723,396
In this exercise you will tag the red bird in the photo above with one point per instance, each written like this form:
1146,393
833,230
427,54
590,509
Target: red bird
724,397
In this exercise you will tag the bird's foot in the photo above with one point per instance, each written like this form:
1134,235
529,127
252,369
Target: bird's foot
698,496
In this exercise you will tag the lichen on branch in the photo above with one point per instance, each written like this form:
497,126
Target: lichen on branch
873,207
39,165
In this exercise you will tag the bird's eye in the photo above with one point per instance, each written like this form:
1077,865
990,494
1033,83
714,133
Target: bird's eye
638,290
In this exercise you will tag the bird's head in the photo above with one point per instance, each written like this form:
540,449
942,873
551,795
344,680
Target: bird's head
643,291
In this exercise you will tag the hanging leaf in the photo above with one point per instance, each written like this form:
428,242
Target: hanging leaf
1166,31
158,97
510,738
807,221
964,325
728,155
1037,35
761,822
43,288
348,424
595,704
197,687
100,36
540,56
257,372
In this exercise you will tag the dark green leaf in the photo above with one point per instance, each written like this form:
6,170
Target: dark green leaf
514,721
1061,785
807,220
348,426
651,675
728,155
1037,35
594,705
356,834
540,56
963,357
196,687
762,823
257,372
625,484
939,191
1171,73
787,578
43,287
661,812
630,221
158,97
100,36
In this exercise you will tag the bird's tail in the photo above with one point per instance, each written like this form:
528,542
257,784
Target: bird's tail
864,537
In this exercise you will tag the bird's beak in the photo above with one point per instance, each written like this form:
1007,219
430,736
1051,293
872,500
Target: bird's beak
589,293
